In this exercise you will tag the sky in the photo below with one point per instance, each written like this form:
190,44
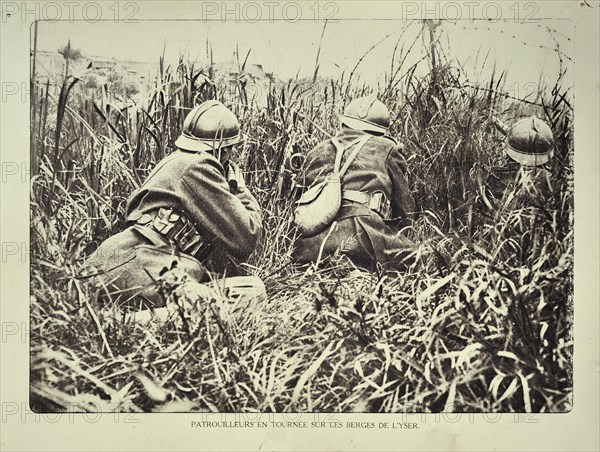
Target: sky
524,50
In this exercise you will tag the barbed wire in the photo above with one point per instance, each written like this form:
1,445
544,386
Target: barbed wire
477,26
508,96
516,38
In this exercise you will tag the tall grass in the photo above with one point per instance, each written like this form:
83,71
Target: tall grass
481,323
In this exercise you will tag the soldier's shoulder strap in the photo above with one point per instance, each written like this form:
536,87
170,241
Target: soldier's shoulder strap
340,149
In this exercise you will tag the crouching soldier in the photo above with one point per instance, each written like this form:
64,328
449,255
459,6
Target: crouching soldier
524,176
193,203
358,199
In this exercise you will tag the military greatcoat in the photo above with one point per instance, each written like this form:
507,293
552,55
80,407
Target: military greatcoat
183,211
367,236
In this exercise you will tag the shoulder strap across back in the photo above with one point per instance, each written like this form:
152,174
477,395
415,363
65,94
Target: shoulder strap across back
359,143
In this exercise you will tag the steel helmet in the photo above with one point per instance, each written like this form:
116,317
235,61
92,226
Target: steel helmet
368,114
530,142
209,126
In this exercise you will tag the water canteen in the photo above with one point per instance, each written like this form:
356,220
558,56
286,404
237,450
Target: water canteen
319,205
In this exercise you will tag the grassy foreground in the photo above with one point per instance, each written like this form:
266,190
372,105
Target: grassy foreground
481,322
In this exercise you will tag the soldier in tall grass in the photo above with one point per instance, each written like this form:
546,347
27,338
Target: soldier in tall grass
376,201
193,204
525,175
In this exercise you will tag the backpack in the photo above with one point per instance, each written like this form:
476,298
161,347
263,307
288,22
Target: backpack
319,205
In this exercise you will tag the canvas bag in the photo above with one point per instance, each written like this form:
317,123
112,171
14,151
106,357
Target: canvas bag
319,205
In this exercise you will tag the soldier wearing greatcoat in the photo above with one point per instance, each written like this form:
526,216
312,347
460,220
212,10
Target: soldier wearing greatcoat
193,203
376,200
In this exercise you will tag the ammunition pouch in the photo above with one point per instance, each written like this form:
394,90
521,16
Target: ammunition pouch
175,228
376,201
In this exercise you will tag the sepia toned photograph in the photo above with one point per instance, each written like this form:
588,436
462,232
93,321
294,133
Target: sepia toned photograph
318,215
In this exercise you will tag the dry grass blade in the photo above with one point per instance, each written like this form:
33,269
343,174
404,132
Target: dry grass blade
309,373
449,406
94,317
431,290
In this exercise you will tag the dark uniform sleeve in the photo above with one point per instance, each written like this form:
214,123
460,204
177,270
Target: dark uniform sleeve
402,202
234,219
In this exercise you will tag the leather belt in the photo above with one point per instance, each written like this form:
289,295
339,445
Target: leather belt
174,227
376,201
